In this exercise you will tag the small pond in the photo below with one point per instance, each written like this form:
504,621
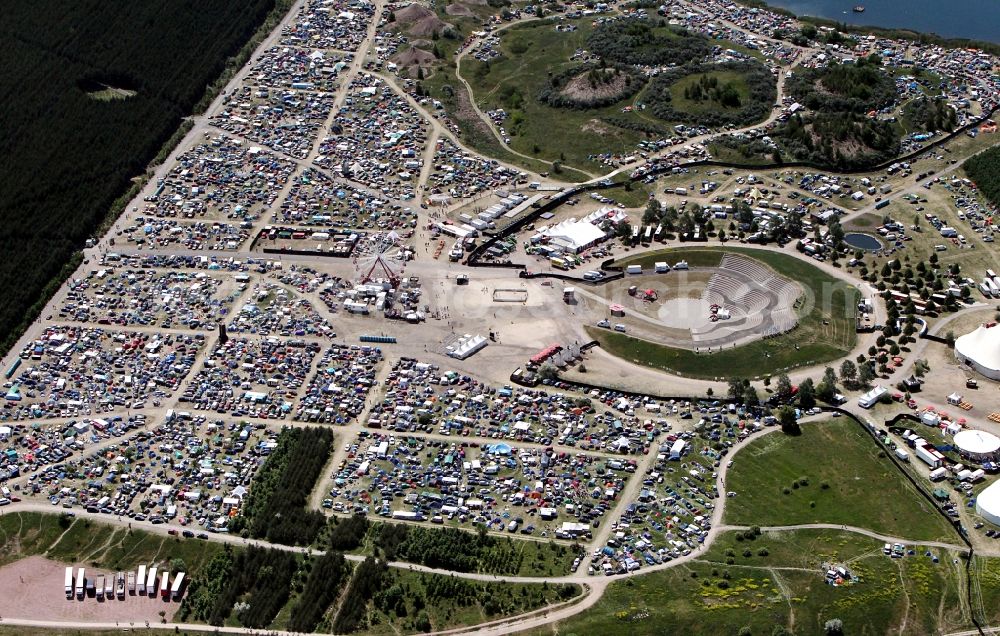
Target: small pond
863,241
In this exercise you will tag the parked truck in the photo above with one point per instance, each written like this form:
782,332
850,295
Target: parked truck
69,583
81,579
178,587
151,582
165,585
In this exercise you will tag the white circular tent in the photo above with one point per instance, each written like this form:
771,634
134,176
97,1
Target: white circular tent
988,504
981,350
977,444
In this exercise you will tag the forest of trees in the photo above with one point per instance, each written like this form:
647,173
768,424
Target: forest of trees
276,506
931,115
327,577
254,583
66,157
365,583
347,534
762,93
984,170
855,88
839,140
635,42
449,549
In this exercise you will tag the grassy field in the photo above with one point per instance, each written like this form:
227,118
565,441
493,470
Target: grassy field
81,540
635,195
530,52
682,103
824,334
450,602
784,588
832,473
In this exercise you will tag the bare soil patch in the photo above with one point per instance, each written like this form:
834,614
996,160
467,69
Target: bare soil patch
420,21
596,126
33,588
581,89
458,9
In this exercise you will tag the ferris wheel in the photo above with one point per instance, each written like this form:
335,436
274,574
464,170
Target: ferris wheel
378,256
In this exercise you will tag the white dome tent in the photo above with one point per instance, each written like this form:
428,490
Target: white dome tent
988,504
981,350
977,444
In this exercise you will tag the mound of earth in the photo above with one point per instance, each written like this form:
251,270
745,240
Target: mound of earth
591,87
421,21
414,57
581,89
458,9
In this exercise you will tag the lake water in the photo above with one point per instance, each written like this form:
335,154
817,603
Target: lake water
974,19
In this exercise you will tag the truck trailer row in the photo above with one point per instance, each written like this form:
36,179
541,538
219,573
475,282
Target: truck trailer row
110,586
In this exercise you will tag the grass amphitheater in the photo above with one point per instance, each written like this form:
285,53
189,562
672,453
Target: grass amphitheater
736,311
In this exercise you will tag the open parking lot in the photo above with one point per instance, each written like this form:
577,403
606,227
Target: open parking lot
85,371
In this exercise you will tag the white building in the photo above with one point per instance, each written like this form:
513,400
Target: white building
988,504
981,350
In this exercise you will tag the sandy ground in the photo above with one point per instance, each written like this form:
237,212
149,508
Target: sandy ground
33,588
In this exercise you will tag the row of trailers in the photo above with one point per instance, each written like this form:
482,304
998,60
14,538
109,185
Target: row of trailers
145,582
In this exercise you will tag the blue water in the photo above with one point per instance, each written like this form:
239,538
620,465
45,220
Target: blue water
974,19
863,241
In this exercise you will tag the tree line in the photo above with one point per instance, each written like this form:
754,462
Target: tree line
984,170
64,156
276,506
931,115
449,549
637,42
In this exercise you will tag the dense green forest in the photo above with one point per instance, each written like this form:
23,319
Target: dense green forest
327,577
65,156
840,140
254,583
452,549
647,43
931,115
276,507
984,170
857,88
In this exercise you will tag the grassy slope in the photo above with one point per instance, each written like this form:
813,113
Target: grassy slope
30,533
865,490
785,588
530,52
812,342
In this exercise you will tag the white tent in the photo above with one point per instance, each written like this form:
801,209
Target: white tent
988,504
981,350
